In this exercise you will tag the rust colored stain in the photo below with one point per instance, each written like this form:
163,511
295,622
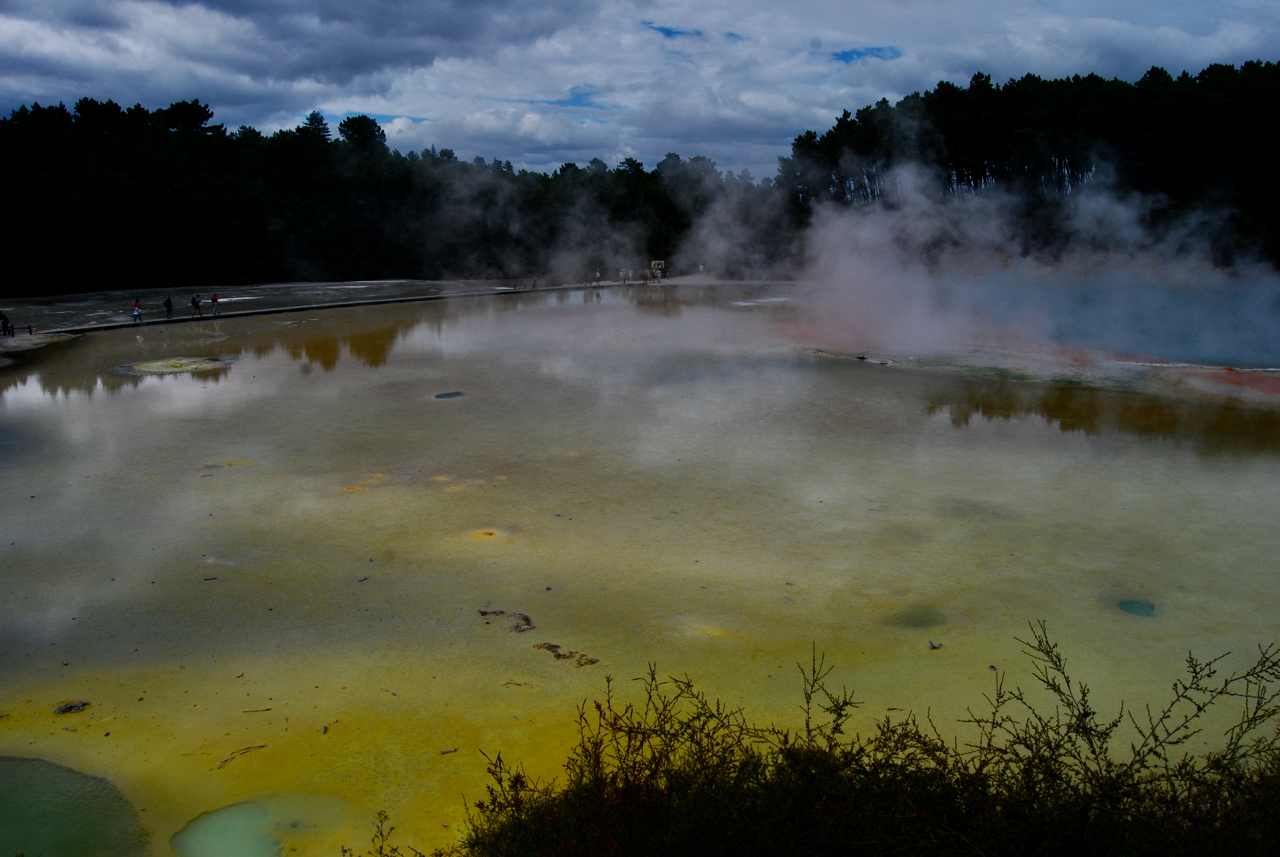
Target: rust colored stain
1263,383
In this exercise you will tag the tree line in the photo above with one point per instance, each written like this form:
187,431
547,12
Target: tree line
106,197
1196,145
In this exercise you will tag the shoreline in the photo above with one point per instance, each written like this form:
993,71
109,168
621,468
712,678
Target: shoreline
440,290
276,310
504,290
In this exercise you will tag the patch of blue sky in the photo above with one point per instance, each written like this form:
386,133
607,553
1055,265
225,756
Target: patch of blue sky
887,52
380,118
581,97
671,32
736,37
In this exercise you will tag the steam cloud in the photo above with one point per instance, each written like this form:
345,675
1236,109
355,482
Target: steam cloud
925,276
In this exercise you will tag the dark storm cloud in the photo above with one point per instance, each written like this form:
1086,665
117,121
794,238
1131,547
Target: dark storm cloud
92,15
333,40
327,41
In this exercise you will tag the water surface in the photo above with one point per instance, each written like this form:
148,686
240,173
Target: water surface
267,575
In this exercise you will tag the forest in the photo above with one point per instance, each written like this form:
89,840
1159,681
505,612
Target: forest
107,197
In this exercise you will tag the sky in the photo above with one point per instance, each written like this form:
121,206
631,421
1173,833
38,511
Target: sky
544,82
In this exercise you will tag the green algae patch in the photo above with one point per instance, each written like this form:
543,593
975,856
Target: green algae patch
1138,608
49,809
174,366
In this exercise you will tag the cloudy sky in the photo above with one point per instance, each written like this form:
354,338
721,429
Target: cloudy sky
542,82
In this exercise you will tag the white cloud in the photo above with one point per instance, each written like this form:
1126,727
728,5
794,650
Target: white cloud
538,82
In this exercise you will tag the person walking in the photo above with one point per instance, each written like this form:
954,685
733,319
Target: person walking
6,326
214,300
195,307
168,307
137,311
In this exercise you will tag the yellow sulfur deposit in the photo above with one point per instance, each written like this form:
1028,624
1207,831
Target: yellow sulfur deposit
269,661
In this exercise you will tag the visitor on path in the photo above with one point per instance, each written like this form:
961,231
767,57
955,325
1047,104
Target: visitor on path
6,326
214,300
168,307
137,311
195,307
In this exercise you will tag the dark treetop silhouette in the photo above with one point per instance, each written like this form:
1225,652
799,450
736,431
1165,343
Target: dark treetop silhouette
107,197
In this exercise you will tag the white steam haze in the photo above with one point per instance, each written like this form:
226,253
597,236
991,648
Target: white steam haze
932,276
925,273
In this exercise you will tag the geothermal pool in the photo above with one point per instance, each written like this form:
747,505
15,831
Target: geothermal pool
274,570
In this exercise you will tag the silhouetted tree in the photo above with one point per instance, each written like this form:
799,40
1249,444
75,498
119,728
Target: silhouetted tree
107,197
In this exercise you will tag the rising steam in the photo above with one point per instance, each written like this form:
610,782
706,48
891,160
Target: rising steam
927,276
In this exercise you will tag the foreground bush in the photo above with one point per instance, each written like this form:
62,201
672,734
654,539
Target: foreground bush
679,774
